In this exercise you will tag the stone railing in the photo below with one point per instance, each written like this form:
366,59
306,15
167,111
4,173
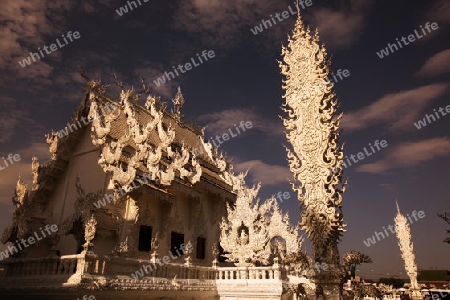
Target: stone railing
105,272
115,273
250,282
48,272
262,273
64,265
127,266
95,265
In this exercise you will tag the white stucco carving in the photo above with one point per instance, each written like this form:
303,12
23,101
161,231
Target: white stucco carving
249,228
312,130
146,155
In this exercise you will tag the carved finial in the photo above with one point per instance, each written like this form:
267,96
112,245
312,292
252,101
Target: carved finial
20,193
146,91
178,103
298,9
189,247
35,169
90,228
118,82
188,250
155,242
82,73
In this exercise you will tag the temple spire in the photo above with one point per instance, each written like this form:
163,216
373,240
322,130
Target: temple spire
312,128
406,247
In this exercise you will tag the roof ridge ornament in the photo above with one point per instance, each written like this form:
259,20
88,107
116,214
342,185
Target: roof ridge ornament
178,102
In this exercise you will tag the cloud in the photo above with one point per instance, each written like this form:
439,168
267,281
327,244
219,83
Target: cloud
398,111
439,12
436,65
388,186
226,23
341,28
26,24
409,155
220,122
265,173
151,72
216,22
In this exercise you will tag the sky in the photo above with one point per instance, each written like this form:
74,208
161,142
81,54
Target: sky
383,96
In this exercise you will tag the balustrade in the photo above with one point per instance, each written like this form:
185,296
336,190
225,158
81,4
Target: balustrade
64,265
94,265
258,273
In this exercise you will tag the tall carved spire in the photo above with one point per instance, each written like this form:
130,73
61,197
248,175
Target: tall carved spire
406,247
312,130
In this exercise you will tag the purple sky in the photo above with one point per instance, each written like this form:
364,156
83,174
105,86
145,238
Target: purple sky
381,98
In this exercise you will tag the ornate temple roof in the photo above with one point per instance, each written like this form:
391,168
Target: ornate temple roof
137,130
133,140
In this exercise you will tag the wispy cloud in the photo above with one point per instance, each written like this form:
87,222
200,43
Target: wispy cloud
436,65
439,12
221,23
26,25
265,173
409,154
226,23
219,122
342,27
151,72
395,111
388,186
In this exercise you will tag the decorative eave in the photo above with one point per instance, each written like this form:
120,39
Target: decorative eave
154,137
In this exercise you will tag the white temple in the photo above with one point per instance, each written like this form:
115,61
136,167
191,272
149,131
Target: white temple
137,205
139,212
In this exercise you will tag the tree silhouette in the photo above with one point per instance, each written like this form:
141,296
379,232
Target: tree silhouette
395,282
446,217
353,258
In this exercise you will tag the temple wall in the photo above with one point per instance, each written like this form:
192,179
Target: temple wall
83,163
194,211
185,212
